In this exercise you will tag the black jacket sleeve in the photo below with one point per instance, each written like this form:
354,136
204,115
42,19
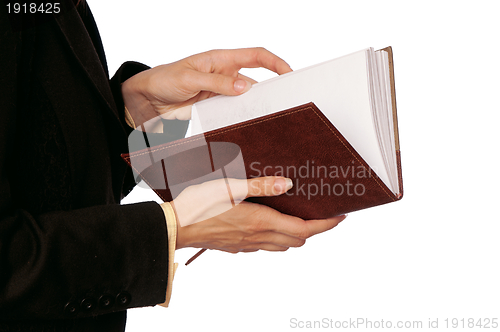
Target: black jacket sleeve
91,255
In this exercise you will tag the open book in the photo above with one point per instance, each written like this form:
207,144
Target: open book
331,128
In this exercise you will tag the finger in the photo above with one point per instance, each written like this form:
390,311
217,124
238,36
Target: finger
203,77
321,225
257,57
268,186
275,238
181,113
217,83
302,229
257,247
263,186
246,78
272,247
249,250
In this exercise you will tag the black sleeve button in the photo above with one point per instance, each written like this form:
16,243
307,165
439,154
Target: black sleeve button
106,301
88,305
71,309
123,299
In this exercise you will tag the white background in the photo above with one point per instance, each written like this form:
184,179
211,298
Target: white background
435,254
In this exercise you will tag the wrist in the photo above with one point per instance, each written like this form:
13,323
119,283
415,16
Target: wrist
134,97
180,235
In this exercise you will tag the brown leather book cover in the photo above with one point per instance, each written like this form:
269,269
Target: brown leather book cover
330,178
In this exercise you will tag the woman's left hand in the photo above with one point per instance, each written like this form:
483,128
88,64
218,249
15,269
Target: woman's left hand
164,89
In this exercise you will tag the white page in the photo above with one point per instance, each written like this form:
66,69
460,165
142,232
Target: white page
338,87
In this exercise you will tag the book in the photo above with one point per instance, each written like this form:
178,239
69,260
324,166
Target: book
331,128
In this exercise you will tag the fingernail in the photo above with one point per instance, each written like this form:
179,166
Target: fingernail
240,85
282,185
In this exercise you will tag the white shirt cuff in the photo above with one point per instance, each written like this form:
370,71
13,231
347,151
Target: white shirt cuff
172,237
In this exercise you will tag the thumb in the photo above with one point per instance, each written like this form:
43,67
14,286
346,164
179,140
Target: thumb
263,186
221,84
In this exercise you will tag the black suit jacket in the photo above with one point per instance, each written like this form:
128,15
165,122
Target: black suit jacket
71,257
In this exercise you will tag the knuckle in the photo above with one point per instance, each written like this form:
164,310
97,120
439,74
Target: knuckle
256,187
260,54
210,53
185,81
235,242
303,234
257,225
184,75
299,243
258,219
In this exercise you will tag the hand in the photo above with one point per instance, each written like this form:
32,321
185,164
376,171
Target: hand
166,88
244,227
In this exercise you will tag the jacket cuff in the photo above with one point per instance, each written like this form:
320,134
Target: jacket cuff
126,71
